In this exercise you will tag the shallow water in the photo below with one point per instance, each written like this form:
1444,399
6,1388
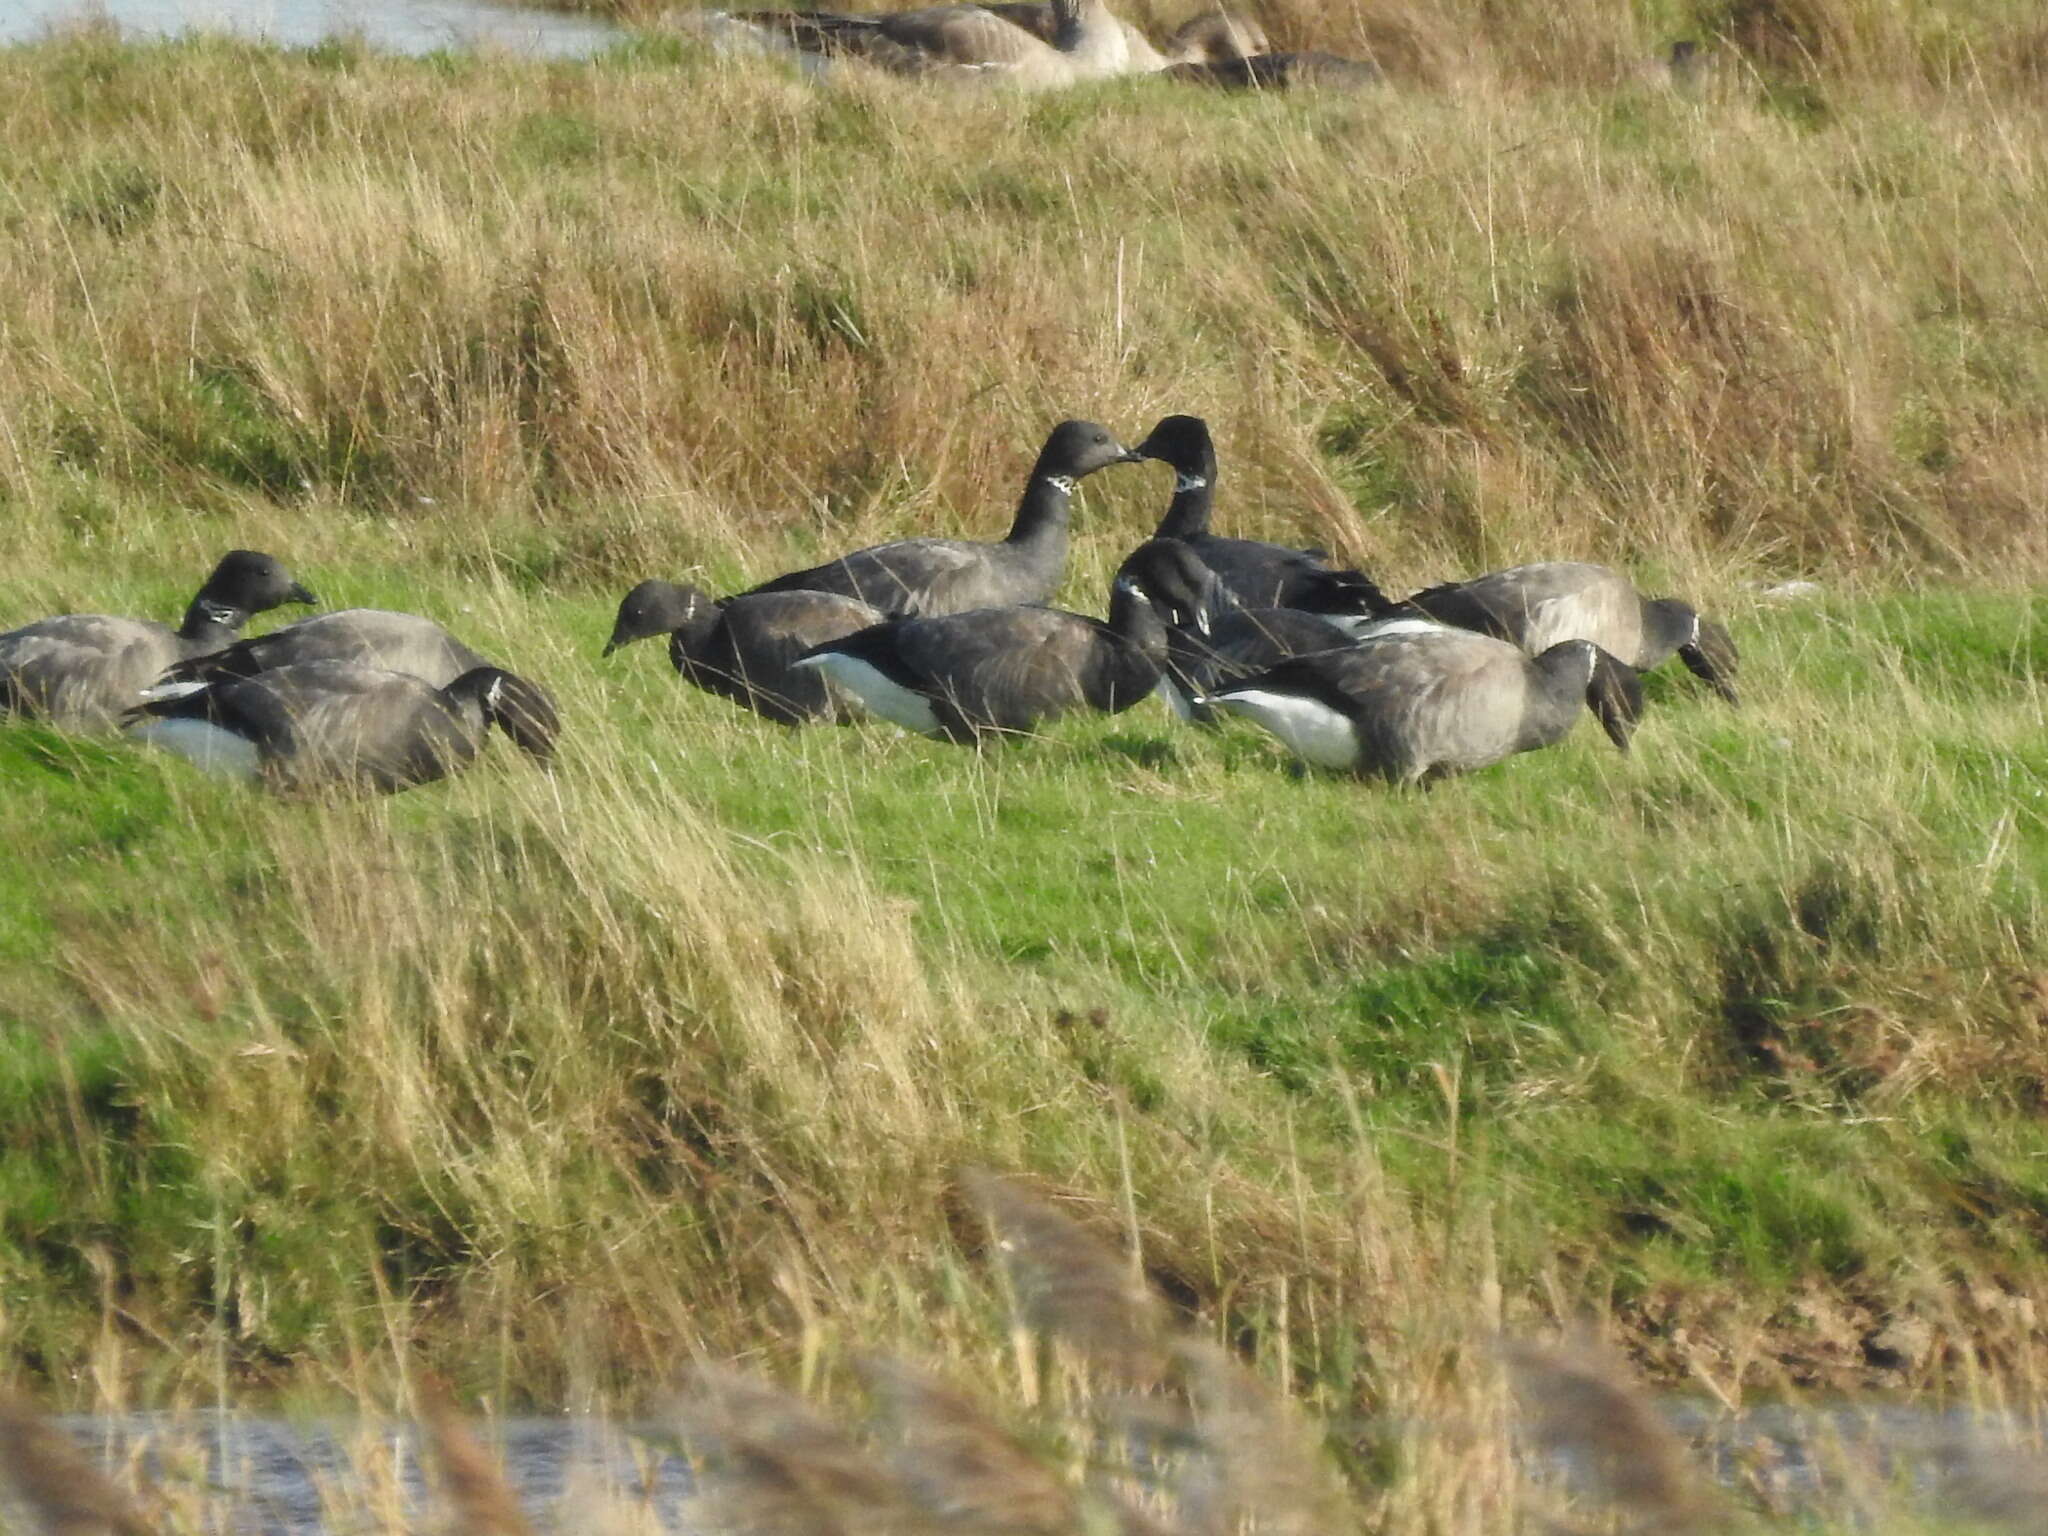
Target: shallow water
398,26
274,1477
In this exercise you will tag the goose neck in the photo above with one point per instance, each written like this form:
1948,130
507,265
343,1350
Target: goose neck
1194,495
211,623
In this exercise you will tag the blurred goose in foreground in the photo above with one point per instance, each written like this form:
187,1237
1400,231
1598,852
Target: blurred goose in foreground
1410,706
1211,36
82,669
933,576
961,42
369,637
337,724
1536,606
965,676
744,648
1255,573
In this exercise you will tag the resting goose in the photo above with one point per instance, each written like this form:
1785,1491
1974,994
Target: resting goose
964,42
743,648
1211,36
1279,72
369,637
1536,606
1256,574
1409,706
932,576
337,724
81,670
965,676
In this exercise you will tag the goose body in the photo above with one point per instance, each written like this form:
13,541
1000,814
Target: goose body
1006,670
967,43
1535,607
1211,36
1414,705
1256,574
921,577
369,637
338,724
81,670
1279,72
745,648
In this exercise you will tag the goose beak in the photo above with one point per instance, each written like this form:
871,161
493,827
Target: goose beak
609,646
299,594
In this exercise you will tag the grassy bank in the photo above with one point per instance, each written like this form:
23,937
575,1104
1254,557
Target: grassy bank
554,1080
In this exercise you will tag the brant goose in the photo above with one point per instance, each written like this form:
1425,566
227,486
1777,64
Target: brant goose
1409,706
964,676
1256,574
964,42
1536,606
82,669
1213,35
1279,72
914,577
369,637
336,724
744,648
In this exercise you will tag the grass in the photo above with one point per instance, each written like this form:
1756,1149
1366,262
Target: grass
549,1082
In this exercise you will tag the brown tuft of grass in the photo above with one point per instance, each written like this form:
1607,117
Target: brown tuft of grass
62,1489
484,1503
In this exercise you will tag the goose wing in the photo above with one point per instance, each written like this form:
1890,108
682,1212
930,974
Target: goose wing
909,41
369,637
1003,668
910,577
1536,606
81,668
761,638
1264,575
1445,699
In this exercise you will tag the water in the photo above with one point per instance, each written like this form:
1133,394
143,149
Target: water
398,26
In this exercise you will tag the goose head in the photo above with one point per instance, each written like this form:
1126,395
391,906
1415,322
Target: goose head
1185,443
1614,692
1173,580
519,708
1217,37
246,582
657,608
1078,448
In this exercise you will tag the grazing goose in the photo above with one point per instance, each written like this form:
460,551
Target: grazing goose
1256,574
1279,72
964,676
336,724
1409,706
931,576
963,42
82,669
369,637
1536,606
744,648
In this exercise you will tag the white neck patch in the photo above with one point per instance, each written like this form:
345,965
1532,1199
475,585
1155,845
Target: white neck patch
220,613
1183,482
1064,484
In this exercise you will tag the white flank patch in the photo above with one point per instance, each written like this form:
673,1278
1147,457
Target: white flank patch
170,690
1361,627
1183,708
892,701
1315,733
208,746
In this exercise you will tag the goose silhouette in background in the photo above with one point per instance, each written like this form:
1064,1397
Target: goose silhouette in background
964,677
1534,607
1255,573
370,637
81,670
339,725
966,43
744,648
913,577
1421,704
1288,71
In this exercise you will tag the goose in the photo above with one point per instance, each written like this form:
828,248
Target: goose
963,42
1279,72
80,670
914,577
1410,706
967,676
370,637
1256,574
339,724
743,648
1211,36
1536,606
